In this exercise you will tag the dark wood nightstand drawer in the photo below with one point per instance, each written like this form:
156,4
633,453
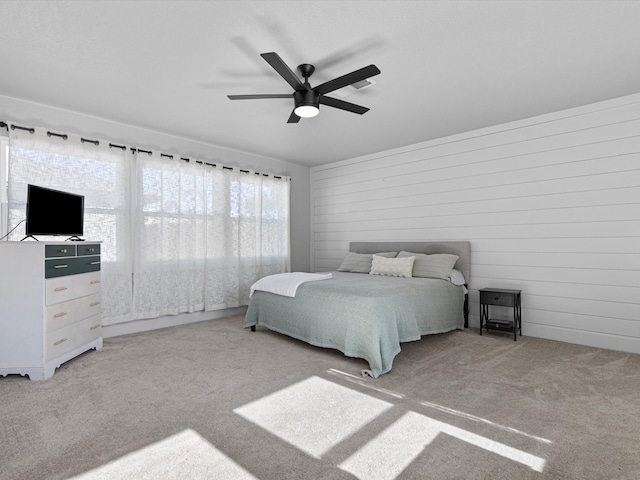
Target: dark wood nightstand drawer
497,298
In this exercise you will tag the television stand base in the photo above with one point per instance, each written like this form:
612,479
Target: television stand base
29,236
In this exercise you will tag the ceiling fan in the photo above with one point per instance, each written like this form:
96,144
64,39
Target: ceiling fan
306,99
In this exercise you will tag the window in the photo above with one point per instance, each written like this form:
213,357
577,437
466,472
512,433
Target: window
204,234
4,176
102,175
176,236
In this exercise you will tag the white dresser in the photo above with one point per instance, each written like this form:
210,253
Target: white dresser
50,306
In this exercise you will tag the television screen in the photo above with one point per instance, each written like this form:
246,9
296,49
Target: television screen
52,212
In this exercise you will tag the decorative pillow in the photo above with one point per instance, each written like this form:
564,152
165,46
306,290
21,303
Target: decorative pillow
361,262
456,277
438,265
393,267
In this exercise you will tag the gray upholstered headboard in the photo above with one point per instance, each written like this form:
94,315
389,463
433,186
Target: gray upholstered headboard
461,249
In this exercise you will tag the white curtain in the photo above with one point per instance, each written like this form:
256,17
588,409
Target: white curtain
169,227
99,172
177,236
247,233
204,234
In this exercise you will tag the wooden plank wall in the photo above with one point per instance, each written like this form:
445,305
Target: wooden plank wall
551,205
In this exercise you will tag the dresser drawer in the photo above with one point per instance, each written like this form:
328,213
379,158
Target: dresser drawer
497,298
89,249
51,251
59,267
73,336
62,289
62,314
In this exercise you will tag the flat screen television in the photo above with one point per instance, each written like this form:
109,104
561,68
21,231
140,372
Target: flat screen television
52,212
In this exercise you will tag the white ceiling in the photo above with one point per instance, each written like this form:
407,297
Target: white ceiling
447,66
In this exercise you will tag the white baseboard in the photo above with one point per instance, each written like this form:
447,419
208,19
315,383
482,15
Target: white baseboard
136,326
607,341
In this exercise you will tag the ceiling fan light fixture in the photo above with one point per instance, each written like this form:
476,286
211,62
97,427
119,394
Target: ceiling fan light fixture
307,103
307,111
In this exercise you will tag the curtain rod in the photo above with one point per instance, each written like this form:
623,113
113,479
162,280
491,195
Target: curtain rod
64,136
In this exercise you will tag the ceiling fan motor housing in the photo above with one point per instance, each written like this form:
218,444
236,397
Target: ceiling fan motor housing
306,98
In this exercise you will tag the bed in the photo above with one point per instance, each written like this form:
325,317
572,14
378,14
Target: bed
369,316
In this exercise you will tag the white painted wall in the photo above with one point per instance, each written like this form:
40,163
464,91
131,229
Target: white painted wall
60,120
551,205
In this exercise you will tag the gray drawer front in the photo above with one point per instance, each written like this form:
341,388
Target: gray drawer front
70,266
89,249
497,298
52,251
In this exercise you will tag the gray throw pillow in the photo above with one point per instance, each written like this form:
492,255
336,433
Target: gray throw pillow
361,262
438,265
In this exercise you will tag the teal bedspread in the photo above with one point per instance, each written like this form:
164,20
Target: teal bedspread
363,316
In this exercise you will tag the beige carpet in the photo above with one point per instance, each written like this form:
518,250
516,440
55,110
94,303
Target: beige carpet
214,401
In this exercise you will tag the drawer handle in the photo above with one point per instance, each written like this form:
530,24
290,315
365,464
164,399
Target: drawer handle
93,282
95,263
59,342
495,299
63,250
60,289
60,266
94,304
94,327
61,314
91,250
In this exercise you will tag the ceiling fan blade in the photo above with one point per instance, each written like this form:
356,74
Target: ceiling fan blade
285,72
342,105
293,118
348,79
254,97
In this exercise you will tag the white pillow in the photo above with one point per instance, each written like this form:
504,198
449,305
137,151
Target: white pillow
456,277
392,267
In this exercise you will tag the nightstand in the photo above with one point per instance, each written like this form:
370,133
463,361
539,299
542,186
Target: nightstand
504,298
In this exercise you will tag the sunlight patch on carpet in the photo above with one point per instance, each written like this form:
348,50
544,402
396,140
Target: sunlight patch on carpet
314,415
475,418
183,455
387,455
